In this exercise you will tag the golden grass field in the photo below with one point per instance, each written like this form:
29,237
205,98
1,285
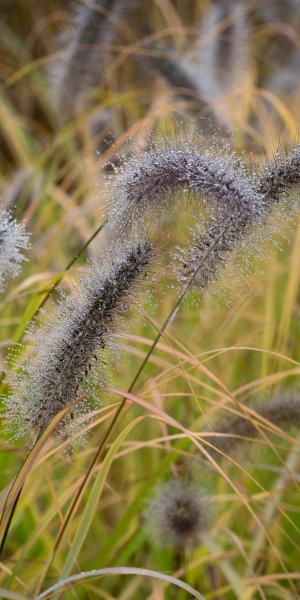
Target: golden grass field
69,511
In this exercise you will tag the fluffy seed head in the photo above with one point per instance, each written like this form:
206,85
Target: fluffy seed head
277,10
230,229
152,181
224,47
66,349
174,70
280,175
150,184
13,240
148,179
176,515
87,45
283,411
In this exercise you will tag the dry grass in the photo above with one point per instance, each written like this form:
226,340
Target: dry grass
86,512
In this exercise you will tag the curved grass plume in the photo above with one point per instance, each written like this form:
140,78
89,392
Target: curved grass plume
149,311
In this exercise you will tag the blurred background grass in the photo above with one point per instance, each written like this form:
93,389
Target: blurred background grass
54,172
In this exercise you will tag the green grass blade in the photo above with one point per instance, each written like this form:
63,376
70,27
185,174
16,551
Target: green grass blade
94,497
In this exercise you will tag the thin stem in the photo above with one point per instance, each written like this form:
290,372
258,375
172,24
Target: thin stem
69,265
98,454
12,512
53,287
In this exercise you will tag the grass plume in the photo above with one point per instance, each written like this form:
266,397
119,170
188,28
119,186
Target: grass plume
152,181
13,241
229,229
87,44
225,54
282,411
279,176
66,349
176,72
176,515
147,181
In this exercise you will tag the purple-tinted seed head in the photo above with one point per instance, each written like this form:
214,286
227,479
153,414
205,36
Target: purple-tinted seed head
151,177
67,348
151,183
224,47
87,50
279,176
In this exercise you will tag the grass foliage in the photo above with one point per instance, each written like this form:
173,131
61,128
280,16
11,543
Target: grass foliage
150,153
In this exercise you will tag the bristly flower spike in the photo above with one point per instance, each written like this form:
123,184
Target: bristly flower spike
147,180
176,516
282,411
150,184
87,45
65,349
13,240
228,229
279,176
175,71
151,181
225,55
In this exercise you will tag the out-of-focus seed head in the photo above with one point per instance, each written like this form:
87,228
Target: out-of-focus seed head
224,46
86,52
176,515
282,411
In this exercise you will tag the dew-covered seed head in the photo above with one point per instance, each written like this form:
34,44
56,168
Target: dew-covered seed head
69,346
279,176
150,185
149,182
13,241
